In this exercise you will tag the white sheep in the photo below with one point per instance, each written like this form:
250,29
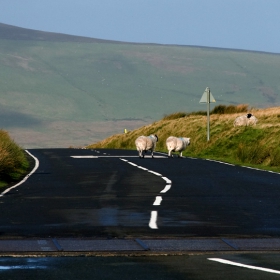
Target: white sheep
146,143
177,144
245,120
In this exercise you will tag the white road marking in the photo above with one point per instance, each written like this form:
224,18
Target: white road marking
158,200
25,178
116,156
84,156
166,180
166,189
158,174
244,265
153,220
222,162
142,168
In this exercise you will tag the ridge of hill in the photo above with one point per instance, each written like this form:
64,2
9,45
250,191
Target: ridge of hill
256,146
60,90
10,32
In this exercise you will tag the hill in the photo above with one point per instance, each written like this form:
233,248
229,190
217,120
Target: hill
256,146
59,90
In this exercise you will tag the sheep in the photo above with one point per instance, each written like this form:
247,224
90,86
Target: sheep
146,143
245,120
177,144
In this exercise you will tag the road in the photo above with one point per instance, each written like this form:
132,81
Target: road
77,192
216,211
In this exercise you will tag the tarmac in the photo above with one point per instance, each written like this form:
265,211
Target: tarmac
75,246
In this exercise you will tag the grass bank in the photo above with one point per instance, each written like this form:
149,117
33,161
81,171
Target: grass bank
13,161
256,146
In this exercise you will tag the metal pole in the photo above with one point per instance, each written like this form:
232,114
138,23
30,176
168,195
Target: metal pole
208,114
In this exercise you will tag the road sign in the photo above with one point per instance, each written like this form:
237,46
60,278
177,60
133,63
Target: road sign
208,98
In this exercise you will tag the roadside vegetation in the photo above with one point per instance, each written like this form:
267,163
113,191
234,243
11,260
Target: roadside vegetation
256,146
13,162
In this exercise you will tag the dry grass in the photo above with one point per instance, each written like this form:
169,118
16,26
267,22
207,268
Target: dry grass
228,143
13,162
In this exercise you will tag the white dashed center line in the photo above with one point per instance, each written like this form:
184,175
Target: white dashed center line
158,199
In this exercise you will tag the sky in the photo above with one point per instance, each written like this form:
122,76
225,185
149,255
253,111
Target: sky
235,24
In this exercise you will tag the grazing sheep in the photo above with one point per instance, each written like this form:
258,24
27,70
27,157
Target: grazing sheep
245,120
146,143
177,144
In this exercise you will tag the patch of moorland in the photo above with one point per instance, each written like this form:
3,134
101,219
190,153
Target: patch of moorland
49,78
256,146
13,161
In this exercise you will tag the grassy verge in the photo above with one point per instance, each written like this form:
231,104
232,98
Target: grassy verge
256,146
13,161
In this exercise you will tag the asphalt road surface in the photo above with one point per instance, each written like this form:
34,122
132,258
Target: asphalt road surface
77,196
113,193
255,267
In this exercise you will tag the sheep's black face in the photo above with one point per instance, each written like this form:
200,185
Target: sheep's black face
156,137
249,116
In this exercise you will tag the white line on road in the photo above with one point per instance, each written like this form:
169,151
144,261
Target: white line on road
158,200
158,174
244,265
143,168
166,180
26,177
166,189
153,220
115,156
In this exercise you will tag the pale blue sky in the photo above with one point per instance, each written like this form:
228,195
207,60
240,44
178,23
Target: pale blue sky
237,24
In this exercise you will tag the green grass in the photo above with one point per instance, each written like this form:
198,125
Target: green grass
256,146
13,162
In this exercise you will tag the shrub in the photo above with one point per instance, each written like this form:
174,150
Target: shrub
230,109
13,162
174,116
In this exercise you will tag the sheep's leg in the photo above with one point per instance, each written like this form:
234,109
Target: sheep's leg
170,153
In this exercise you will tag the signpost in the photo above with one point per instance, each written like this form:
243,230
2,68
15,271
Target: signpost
208,98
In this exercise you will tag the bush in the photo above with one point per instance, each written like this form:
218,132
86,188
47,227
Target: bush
174,116
230,109
13,163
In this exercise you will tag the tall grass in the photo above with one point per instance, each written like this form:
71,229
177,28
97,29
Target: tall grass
13,163
256,146
219,109
230,109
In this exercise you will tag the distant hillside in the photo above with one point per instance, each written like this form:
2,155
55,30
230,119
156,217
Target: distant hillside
61,90
10,32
